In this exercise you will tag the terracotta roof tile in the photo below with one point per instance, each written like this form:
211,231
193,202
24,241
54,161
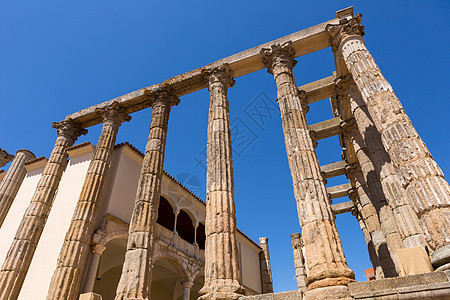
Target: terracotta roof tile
78,146
32,161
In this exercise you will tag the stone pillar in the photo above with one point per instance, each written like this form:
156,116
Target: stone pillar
299,261
187,290
11,182
136,273
97,251
66,279
419,174
266,271
22,249
391,200
372,208
324,253
222,274
5,157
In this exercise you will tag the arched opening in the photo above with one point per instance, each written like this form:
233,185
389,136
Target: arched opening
166,216
110,269
167,280
185,228
201,236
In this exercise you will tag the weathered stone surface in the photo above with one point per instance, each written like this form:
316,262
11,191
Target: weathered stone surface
424,182
21,252
10,184
320,235
90,296
299,261
78,237
266,271
5,157
334,169
136,271
222,275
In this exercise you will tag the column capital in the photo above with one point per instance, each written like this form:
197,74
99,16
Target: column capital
69,129
28,154
350,128
278,54
98,248
162,94
113,113
353,170
222,74
345,85
5,157
345,28
303,101
187,284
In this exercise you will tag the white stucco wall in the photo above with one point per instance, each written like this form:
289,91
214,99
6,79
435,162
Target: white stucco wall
43,265
250,265
16,211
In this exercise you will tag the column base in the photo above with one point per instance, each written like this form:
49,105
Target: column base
222,289
441,258
90,296
330,292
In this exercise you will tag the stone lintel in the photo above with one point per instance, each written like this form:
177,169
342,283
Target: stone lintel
320,89
339,190
346,12
327,128
305,41
342,208
334,169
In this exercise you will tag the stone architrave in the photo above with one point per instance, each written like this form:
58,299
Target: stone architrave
136,273
420,175
299,261
266,270
5,157
222,274
22,249
11,182
66,279
324,254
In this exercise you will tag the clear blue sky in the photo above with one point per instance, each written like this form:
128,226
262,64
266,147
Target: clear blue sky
57,58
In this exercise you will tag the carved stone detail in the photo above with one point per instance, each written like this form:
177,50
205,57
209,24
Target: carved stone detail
5,157
345,28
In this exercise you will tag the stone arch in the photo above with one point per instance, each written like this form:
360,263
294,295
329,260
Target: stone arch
185,226
166,215
182,272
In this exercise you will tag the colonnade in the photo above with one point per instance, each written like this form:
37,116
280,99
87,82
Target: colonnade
402,198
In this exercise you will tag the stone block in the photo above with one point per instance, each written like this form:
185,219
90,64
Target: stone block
407,281
359,287
382,284
291,295
432,278
90,296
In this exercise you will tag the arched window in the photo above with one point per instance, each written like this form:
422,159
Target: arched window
201,236
185,228
166,217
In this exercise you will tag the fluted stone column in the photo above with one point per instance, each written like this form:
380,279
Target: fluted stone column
22,249
11,182
5,157
97,251
299,261
380,173
66,279
222,274
324,254
266,270
136,273
419,174
187,285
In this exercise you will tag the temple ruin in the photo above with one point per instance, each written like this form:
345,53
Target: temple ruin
121,234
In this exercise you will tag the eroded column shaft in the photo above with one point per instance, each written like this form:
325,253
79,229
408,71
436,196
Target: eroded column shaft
136,272
299,261
20,254
266,270
422,178
66,279
222,274
11,182
324,254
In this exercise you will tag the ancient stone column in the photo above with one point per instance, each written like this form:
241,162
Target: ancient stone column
11,182
222,274
136,273
187,290
22,249
66,279
5,157
266,271
299,261
419,174
390,199
97,251
324,254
